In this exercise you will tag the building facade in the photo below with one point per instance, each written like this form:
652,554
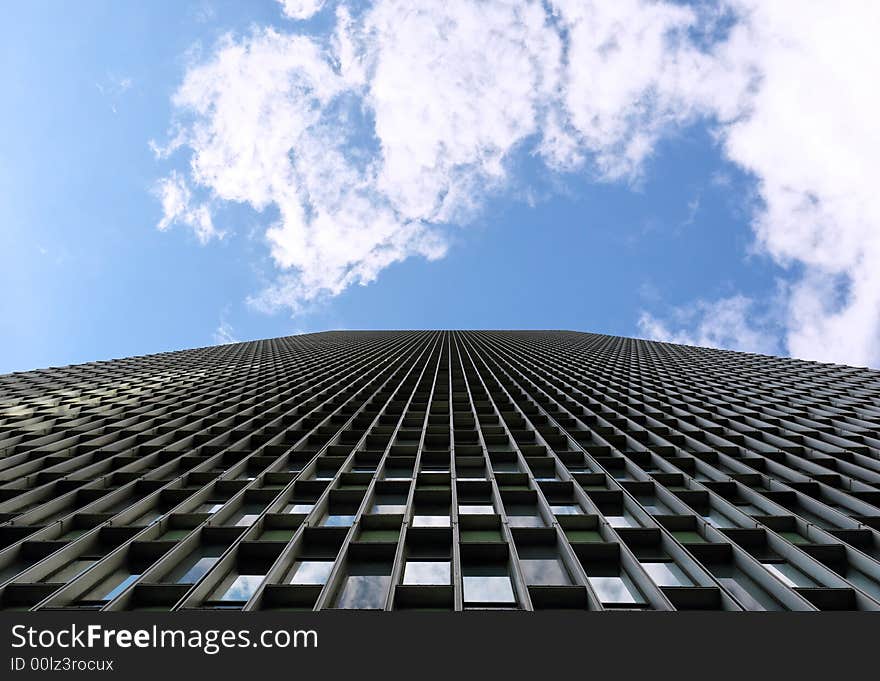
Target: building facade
441,470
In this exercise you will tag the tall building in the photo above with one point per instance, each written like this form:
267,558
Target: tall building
441,470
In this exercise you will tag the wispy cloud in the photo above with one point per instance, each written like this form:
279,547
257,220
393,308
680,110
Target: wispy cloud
693,207
733,323
224,333
300,9
112,88
807,133
369,141
178,207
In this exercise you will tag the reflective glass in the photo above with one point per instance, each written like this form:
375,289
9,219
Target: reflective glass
619,589
550,571
667,574
789,574
431,521
299,508
365,588
310,572
566,509
242,588
474,509
488,589
197,571
427,572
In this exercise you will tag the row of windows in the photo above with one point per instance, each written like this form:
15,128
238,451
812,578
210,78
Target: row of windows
448,456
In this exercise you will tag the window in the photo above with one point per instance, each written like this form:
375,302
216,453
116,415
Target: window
748,592
718,519
194,567
310,572
390,503
544,567
427,572
789,574
239,587
566,509
430,521
209,507
667,574
487,585
365,587
625,519
245,518
476,509
616,590
524,516
111,587
336,520
299,508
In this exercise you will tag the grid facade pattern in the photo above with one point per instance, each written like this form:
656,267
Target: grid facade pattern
441,470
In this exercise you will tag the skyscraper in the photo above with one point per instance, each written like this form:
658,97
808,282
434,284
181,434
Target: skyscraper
441,470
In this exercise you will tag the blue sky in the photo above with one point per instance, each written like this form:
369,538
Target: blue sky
677,220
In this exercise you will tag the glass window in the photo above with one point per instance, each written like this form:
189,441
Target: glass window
365,587
474,509
431,521
626,519
299,508
335,520
616,590
718,519
861,580
194,567
241,588
566,509
487,586
546,570
654,506
390,503
748,592
427,572
789,574
209,507
524,516
667,574
310,572
111,587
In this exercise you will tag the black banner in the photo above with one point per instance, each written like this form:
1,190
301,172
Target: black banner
226,645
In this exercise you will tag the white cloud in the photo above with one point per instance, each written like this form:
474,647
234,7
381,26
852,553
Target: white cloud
807,132
177,207
300,9
369,140
368,143
733,323
113,87
224,333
